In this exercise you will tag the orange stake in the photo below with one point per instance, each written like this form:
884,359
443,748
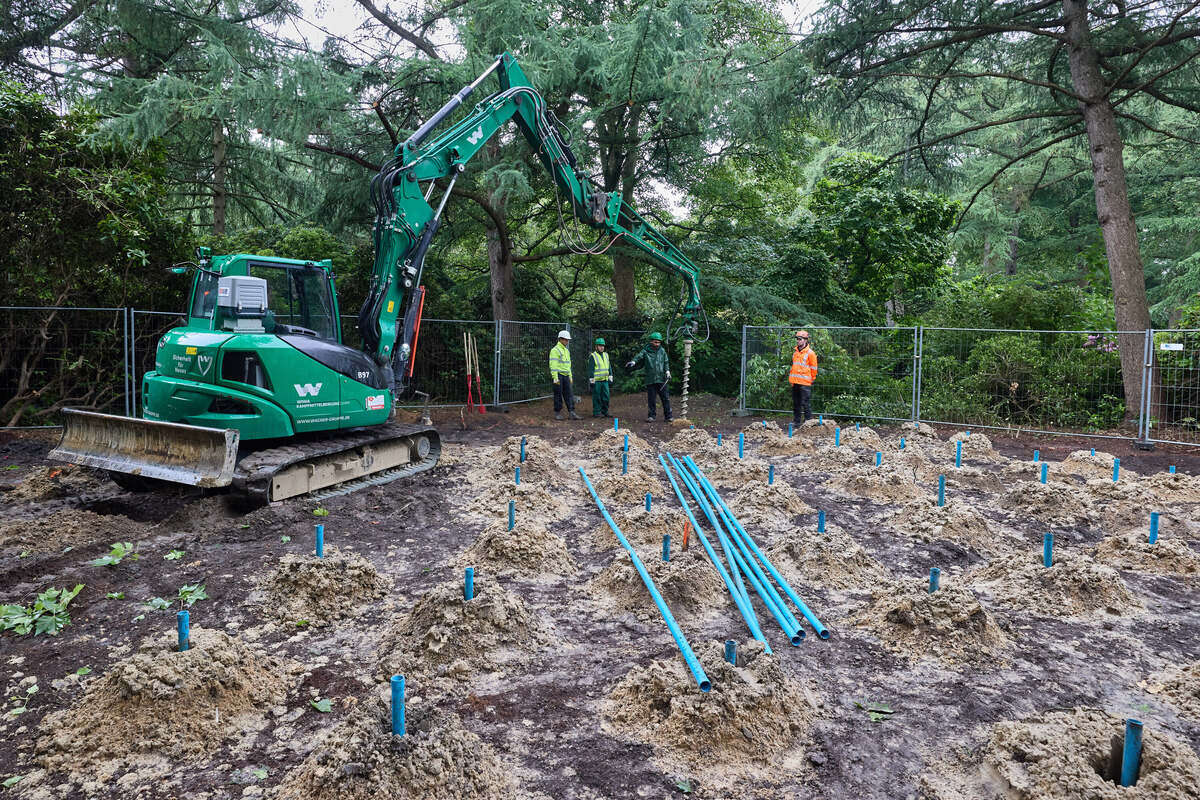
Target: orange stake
687,528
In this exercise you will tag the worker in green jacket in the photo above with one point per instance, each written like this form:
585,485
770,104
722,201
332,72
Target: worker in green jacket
560,376
599,376
657,372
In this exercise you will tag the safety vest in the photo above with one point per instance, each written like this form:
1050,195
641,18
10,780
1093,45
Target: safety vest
560,361
804,366
600,368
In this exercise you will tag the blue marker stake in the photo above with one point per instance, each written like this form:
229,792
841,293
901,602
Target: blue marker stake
718,440
901,442
968,432
837,437
397,705
625,463
615,421
770,474
1048,550
517,476
1116,469
1171,469
647,501
1045,471
820,522
857,427
941,490
512,514
666,547
820,419
1153,527
1037,454
1093,451
958,454
741,445
878,458
320,541
522,449
181,621
731,651
789,430
1131,754
469,584
626,447
934,575
764,422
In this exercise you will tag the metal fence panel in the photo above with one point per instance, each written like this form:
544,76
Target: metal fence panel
1041,381
524,362
621,346
1172,412
146,328
862,372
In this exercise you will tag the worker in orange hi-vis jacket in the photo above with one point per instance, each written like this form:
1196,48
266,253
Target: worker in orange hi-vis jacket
801,377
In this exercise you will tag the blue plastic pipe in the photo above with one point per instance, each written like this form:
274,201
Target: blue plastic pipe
626,446
934,575
615,421
764,423
878,458
517,476
901,442
816,624
625,463
1093,451
1045,471
821,521
185,636
398,726
857,427
941,490
512,514
647,501
820,419
741,445
837,437
968,432
731,651
522,449
958,454
722,538
1048,550
1171,469
320,549
666,547
686,649
789,430
743,608
469,584
1037,456
1116,469
1131,754
770,474
1153,527
718,440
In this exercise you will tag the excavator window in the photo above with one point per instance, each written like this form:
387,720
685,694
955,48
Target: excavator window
205,298
299,297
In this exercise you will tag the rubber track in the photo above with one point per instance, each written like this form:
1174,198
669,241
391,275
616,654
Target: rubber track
253,475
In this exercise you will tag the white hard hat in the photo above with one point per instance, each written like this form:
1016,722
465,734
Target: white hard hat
564,334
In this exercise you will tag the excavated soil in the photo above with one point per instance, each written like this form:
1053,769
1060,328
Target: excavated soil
983,480
766,431
1074,584
1088,466
862,439
746,725
1173,488
783,446
885,484
693,442
68,528
164,704
727,470
321,590
1066,755
1180,686
954,522
768,505
688,584
436,759
60,481
527,550
1050,503
948,625
1167,556
974,445
640,527
534,505
609,440
447,636
541,463
630,487
832,559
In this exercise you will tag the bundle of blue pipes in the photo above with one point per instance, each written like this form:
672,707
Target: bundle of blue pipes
746,561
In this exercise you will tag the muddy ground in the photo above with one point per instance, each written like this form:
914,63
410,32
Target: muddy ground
560,680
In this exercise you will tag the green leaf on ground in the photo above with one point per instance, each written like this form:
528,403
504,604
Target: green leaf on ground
259,773
190,593
120,551
285,539
174,555
83,671
115,595
15,779
158,603
323,705
684,786
320,512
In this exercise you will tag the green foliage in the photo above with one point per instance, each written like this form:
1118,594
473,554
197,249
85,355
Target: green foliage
158,604
47,615
120,551
191,593
115,596
1026,302
323,705
174,555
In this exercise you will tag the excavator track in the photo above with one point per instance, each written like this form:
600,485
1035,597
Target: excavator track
361,458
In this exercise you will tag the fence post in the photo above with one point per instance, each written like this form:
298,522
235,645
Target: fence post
1143,437
742,412
498,338
919,358
916,369
130,375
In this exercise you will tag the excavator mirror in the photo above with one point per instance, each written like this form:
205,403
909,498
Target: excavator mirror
179,270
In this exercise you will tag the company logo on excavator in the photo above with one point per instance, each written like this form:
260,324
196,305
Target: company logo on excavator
476,135
307,389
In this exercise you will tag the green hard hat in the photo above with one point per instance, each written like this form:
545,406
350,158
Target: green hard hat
599,341
656,337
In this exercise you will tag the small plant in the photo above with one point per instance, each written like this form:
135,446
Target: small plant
878,712
259,772
115,596
320,512
25,554
285,539
120,551
157,604
83,671
174,555
300,623
190,593
244,525
22,701
15,779
13,466
323,705
47,615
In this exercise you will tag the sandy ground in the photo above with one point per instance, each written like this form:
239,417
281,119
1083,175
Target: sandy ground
559,678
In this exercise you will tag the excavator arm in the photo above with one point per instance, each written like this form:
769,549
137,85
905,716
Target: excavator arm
406,222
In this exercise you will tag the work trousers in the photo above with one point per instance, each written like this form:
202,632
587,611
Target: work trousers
654,390
600,399
801,403
563,394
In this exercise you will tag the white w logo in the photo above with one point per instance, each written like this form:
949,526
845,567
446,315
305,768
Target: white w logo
476,136
308,389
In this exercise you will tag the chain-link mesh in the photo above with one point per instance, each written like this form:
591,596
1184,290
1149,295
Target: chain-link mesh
1048,381
525,360
1173,401
861,372
147,327
621,345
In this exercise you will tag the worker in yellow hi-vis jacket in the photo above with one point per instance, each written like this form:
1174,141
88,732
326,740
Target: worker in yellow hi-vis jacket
599,376
560,376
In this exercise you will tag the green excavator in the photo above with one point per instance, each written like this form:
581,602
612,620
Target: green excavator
257,392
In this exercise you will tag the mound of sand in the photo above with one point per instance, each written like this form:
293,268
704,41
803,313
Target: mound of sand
974,445
693,441
1053,504
527,550
58,481
1170,555
1083,463
832,559
445,635
643,529
923,430
541,461
743,727
825,425
759,505
884,484
609,440
321,590
954,522
1074,584
949,625
1180,686
435,759
162,703
1068,755
1177,488
783,446
70,528
864,438
727,470
983,479
534,505
688,583
836,460
765,431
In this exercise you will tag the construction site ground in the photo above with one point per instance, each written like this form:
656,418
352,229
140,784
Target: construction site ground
560,679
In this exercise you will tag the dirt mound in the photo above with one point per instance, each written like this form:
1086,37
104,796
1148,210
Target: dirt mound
885,484
835,460
1065,755
974,445
1176,488
693,441
56,482
923,430
540,465
984,479
949,624
1180,687
771,506
822,424
783,446
69,528
321,590
764,431
832,559
688,583
864,438
165,704
435,759
1168,556
1083,463
527,550
727,470
954,522
608,440
1050,503
534,505
445,635
742,728
1074,584
643,529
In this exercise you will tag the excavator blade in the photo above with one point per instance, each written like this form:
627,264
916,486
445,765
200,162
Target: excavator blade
166,451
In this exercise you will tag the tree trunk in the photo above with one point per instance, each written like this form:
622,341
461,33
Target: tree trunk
219,197
500,265
1112,200
624,285
623,275
1010,266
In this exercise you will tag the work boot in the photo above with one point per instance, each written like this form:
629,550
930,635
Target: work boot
574,415
668,419
649,419
558,415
